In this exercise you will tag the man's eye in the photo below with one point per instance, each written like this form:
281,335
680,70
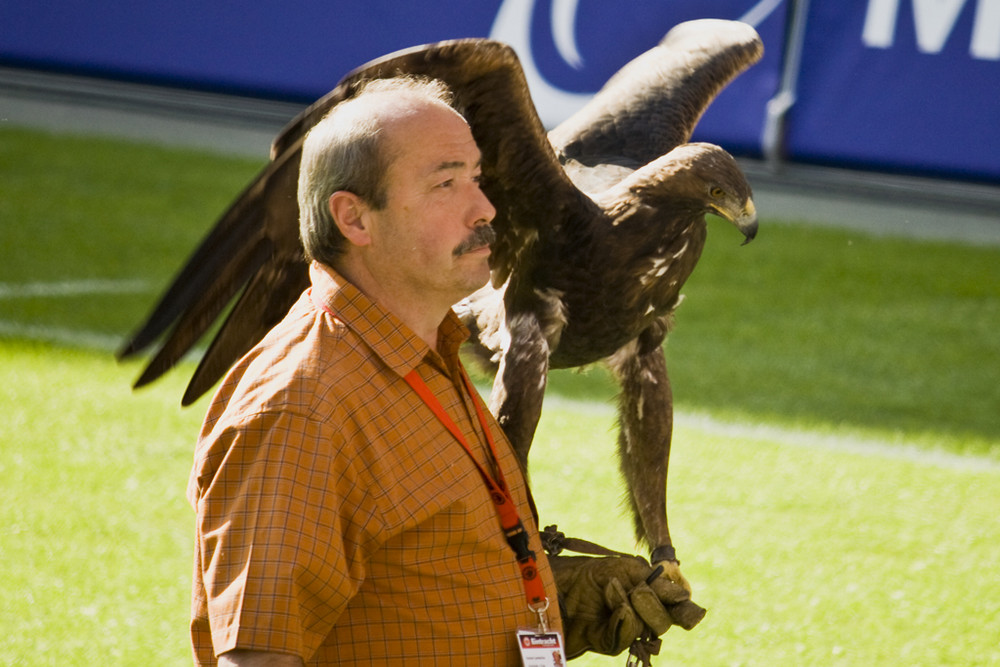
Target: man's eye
446,184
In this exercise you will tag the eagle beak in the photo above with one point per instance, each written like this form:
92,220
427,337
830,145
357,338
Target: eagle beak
745,219
746,222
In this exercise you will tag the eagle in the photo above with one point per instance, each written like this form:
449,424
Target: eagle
599,224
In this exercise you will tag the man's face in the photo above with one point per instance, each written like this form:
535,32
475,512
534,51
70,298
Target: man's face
427,241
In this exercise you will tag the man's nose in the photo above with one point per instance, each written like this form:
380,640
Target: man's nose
483,208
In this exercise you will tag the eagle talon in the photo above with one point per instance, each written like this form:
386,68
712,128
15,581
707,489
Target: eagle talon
672,570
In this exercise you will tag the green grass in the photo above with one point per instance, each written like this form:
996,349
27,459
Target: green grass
95,547
804,556
836,327
78,208
789,355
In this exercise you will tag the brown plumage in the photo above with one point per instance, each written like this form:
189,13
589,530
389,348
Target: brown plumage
598,226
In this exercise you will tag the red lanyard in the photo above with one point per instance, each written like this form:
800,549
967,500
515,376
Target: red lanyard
513,529
510,522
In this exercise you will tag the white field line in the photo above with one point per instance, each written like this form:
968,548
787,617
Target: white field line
868,446
843,443
71,288
62,289
69,337
787,436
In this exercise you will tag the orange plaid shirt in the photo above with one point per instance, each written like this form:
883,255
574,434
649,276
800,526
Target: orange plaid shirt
338,519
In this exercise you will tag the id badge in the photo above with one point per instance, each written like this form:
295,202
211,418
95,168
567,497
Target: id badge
543,649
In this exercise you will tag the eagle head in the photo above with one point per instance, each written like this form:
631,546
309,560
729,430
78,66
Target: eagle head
695,179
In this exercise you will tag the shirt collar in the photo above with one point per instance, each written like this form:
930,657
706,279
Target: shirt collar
389,338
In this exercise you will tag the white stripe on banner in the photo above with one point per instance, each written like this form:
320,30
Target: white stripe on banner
756,15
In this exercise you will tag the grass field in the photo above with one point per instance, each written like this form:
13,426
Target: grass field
836,471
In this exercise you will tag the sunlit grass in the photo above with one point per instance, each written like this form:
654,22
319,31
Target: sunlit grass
95,547
804,555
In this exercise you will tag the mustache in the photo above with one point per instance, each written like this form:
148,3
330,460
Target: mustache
480,236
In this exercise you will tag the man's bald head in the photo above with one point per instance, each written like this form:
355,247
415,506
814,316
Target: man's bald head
351,149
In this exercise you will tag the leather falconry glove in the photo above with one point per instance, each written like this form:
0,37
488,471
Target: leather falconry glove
607,604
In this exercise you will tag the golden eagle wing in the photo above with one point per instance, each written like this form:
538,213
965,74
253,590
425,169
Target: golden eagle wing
254,248
652,105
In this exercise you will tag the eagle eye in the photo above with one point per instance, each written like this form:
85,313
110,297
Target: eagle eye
717,192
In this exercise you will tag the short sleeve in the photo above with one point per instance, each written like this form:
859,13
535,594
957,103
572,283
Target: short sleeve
284,529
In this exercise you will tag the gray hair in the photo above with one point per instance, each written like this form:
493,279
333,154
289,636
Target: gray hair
345,151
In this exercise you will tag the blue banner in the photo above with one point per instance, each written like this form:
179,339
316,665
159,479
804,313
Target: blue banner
299,51
902,85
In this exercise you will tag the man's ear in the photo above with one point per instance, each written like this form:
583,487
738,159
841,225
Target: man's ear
349,212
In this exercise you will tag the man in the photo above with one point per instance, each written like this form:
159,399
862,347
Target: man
342,478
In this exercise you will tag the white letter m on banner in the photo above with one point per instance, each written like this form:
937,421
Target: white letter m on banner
934,21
